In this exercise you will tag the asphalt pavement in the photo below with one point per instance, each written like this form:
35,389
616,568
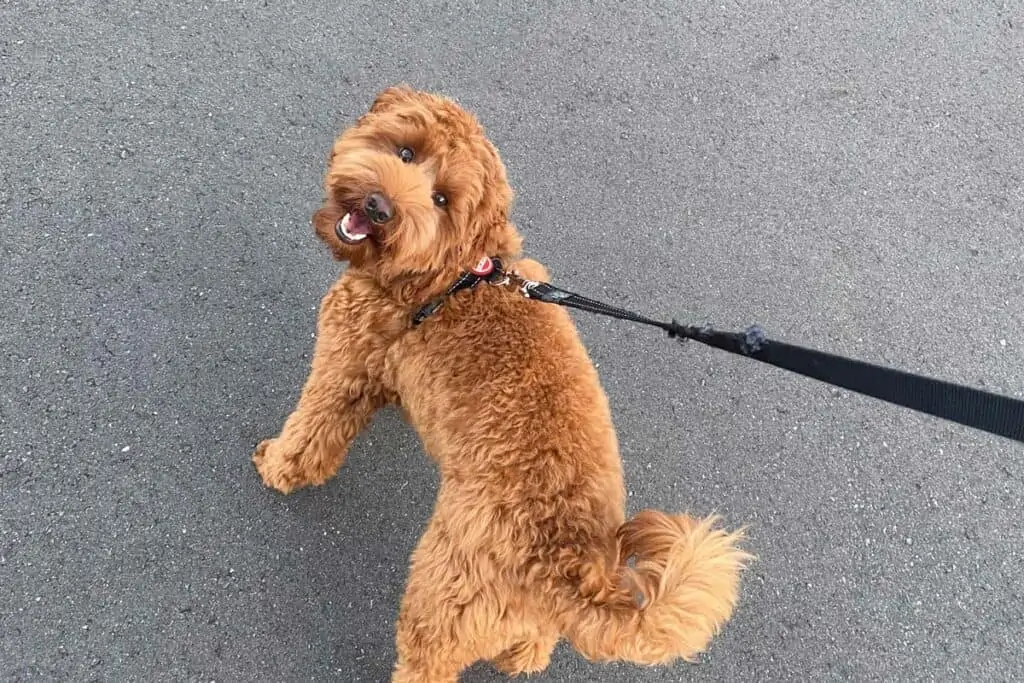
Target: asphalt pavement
848,175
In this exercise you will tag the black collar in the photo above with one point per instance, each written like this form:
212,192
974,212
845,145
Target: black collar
489,269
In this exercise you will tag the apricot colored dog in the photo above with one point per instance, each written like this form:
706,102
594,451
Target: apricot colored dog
528,542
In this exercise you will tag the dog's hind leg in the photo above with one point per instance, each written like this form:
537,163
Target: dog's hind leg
527,656
454,612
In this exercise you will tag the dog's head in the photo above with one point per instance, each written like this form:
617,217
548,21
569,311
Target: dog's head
415,188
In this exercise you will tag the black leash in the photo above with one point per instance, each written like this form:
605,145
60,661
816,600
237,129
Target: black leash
489,269
1000,415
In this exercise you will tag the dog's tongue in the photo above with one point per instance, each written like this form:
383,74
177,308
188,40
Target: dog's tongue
358,224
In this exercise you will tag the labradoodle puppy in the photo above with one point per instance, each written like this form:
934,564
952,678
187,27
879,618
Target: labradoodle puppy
528,543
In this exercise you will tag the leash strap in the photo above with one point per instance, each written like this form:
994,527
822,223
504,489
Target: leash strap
993,413
466,281
488,270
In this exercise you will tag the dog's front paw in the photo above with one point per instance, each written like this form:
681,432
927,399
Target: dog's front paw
285,467
275,469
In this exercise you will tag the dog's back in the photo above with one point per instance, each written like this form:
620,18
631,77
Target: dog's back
506,400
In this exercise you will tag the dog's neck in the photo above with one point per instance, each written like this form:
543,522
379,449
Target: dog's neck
412,290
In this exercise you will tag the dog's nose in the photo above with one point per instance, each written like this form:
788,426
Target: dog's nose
378,208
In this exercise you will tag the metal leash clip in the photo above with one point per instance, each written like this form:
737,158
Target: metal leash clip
543,291
505,279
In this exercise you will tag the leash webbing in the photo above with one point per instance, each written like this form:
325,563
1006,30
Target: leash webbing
488,270
993,413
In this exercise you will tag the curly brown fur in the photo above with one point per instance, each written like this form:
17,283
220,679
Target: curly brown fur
528,542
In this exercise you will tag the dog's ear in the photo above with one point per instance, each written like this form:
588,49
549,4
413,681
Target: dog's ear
494,234
501,239
491,233
391,97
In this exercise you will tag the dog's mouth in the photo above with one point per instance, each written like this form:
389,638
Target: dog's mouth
354,227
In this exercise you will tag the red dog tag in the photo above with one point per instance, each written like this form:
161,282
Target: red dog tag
483,268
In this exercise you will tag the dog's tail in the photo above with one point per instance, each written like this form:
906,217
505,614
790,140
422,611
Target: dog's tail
675,585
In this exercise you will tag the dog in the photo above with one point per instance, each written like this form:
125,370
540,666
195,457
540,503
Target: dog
528,542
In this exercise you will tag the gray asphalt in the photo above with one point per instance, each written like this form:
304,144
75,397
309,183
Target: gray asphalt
849,178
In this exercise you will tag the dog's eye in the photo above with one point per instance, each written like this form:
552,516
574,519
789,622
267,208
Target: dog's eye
440,201
406,154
